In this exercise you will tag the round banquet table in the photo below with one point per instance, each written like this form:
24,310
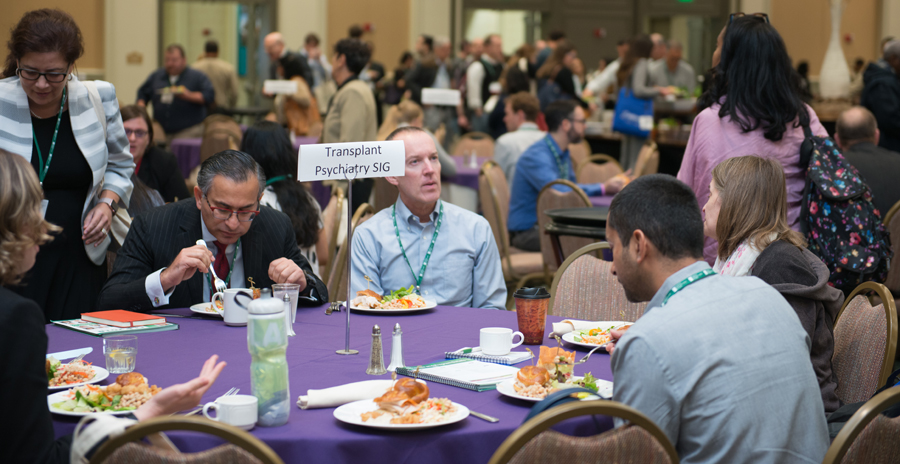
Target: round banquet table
187,151
314,435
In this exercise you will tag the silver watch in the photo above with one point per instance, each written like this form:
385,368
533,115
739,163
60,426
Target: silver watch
112,204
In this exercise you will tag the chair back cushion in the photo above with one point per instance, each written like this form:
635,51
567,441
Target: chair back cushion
496,218
579,153
588,291
622,445
648,161
385,194
877,443
338,287
553,199
483,147
137,452
860,338
219,133
892,281
594,173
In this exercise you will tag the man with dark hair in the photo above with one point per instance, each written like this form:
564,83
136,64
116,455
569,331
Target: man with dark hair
481,75
222,75
543,162
284,64
521,113
881,95
857,134
355,32
553,40
318,63
157,266
685,363
447,252
179,95
424,45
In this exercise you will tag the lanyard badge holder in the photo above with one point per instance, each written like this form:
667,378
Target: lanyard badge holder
45,166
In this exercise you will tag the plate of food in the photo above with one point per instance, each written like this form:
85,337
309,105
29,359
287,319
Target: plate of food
206,309
553,372
399,301
72,374
597,336
129,392
405,406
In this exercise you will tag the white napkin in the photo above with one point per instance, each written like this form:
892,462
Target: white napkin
570,325
342,394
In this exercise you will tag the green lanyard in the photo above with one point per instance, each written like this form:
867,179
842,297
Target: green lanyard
684,283
277,178
437,229
563,168
237,246
42,172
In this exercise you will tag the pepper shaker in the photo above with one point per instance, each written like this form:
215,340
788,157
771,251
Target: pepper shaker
396,349
376,358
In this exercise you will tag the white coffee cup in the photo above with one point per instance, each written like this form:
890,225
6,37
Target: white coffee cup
498,341
237,410
234,305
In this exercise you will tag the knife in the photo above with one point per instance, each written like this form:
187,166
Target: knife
483,416
70,354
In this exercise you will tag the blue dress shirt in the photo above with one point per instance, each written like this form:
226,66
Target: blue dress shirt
464,269
535,169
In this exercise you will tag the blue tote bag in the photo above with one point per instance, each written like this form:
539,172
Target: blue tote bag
634,116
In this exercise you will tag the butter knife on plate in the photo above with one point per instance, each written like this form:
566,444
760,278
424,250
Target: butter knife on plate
70,354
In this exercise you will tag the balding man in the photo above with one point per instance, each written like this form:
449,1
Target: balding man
660,49
285,64
857,135
881,95
674,71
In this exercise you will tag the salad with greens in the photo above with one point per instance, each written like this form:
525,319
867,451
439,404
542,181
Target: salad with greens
91,398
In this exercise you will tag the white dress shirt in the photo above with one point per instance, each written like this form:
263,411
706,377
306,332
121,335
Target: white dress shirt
606,78
474,78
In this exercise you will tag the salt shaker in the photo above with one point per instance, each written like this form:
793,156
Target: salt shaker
376,358
396,349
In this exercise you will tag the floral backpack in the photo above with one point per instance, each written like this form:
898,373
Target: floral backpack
843,227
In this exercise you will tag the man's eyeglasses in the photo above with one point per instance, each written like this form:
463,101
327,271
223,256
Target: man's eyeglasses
32,75
140,133
224,214
762,16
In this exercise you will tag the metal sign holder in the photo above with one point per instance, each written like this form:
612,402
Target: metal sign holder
347,350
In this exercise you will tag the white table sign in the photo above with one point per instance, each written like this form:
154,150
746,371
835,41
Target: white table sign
355,160
445,97
276,87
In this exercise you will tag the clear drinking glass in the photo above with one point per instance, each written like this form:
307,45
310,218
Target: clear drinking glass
278,291
120,352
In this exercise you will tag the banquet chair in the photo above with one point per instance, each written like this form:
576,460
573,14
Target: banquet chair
331,219
385,194
519,267
584,288
865,338
639,441
579,153
550,198
340,274
159,134
593,172
868,437
242,447
892,282
220,133
648,160
479,142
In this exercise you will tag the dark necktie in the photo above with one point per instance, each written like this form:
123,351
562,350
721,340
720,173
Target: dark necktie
221,265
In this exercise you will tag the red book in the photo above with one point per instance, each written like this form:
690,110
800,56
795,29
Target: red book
122,318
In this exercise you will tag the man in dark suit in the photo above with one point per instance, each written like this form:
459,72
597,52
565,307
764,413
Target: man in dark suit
857,134
157,265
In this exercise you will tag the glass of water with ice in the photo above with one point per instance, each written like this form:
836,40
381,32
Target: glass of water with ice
120,352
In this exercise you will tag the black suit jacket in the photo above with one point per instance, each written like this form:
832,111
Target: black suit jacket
158,235
880,169
160,171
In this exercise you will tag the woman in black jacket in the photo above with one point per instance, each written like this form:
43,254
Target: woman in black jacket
156,167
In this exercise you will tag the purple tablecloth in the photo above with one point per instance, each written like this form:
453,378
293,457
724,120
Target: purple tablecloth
604,200
466,176
311,436
187,152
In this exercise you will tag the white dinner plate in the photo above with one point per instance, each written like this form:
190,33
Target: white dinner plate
570,337
429,304
99,374
506,388
204,308
62,396
350,414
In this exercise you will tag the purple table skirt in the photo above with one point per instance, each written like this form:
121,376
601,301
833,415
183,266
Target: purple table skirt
310,436
466,176
187,152
602,200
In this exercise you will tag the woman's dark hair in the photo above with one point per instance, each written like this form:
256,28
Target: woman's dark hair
514,80
405,56
134,111
42,31
555,61
755,81
143,198
803,69
267,142
639,47
356,53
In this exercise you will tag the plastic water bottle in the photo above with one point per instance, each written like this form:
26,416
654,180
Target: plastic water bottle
267,341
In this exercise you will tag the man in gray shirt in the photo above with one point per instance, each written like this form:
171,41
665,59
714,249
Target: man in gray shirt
673,71
720,363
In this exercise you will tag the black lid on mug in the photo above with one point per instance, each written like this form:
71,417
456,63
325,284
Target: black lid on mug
532,293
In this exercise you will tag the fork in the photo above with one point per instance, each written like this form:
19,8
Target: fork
585,358
233,391
79,358
217,282
334,306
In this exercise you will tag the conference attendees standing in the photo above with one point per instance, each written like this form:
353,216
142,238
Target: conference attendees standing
673,71
734,121
408,113
154,166
160,265
448,252
715,399
51,120
317,62
881,95
857,135
480,75
221,74
603,85
284,64
521,112
558,70
352,113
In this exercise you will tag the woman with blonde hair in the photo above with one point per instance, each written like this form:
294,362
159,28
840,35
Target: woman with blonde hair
409,113
23,341
747,214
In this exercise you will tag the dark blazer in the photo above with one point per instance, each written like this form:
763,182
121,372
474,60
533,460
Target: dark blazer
160,171
880,169
158,235
881,95
23,345
292,64
180,114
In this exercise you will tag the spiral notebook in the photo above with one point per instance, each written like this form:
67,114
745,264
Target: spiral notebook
463,373
514,357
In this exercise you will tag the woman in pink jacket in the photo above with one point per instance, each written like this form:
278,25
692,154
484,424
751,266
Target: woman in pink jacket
752,106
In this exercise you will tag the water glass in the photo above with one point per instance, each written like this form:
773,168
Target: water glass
278,291
120,352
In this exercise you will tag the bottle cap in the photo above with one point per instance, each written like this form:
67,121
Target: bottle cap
532,293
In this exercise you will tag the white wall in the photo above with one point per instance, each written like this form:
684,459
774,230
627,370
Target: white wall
296,18
431,17
510,24
125,34
890,18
